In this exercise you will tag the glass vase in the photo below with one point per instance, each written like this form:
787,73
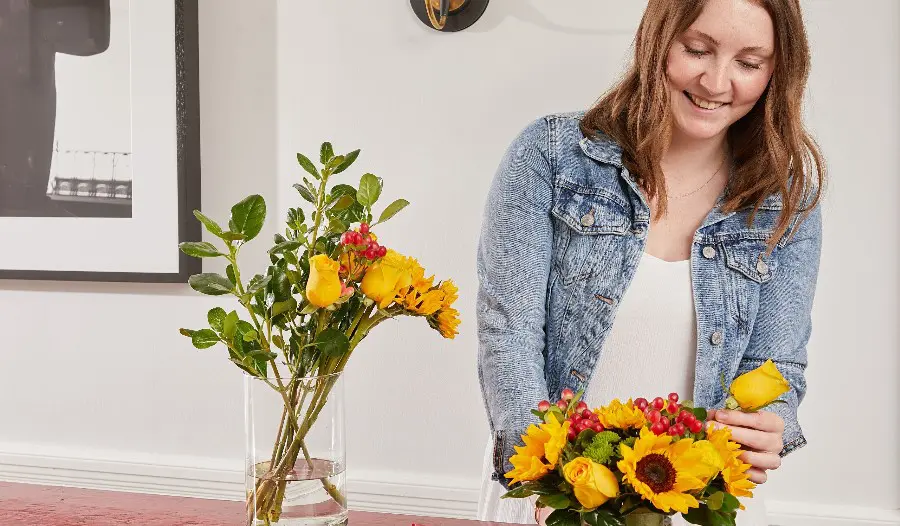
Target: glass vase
296,453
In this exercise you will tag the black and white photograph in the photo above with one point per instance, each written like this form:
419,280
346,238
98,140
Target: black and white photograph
98,136
65,141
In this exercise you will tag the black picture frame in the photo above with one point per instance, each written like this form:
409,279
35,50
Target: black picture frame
188,165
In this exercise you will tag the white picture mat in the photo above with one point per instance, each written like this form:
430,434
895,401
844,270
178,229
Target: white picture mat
148,241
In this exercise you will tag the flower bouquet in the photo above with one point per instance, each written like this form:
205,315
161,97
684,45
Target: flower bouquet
636,462
329,284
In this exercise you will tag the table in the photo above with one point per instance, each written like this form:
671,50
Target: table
34,505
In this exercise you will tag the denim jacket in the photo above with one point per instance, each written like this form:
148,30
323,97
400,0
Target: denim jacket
564,228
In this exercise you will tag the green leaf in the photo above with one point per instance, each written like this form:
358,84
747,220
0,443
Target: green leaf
338,226
243,367
280,307
326,152
232,236
348,160
309,308
295,217
258,283
556,501
204,338
186,332
334,162
307,165
285,246
392,210
305,193
602,518
262,355
229,271
278,341
564,518
216,318
696,516
700,413
730,503
332,342
715,500
230,325
248,216
281,286
707,517
519,492
369,190
211,284
200,249
211,226
342,203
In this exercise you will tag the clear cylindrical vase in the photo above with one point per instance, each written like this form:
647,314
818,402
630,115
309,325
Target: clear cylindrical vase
296,453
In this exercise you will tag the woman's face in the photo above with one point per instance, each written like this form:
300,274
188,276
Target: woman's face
720,67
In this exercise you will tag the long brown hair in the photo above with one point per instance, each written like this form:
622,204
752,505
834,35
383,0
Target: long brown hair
772,151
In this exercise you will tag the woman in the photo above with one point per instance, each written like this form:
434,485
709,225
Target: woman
666,238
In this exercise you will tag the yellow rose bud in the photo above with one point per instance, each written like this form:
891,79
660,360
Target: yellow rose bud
593,483
385,278
323,286
759,387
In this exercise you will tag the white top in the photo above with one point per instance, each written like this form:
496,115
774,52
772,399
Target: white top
650,351
651,348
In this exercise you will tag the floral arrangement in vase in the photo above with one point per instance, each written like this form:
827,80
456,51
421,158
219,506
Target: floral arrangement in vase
329,283
638,462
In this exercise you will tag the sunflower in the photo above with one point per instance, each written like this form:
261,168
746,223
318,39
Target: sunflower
617,415
663,472
445,321
528,463
734,472
451,293
558,434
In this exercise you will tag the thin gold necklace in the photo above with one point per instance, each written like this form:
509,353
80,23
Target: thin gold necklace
701,187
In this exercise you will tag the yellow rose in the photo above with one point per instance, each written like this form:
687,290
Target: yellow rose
386,277
323,286
759,387
593,483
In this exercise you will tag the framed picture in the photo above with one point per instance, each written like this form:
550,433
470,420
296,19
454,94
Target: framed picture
99,139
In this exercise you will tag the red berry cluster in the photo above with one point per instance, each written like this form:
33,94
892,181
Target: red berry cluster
580,417
363,243
666,416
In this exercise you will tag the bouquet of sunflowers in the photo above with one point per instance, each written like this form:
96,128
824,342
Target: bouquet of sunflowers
637,462
329,283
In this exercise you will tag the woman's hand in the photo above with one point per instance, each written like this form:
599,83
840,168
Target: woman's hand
760,435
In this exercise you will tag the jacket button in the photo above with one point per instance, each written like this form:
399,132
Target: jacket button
716,338
639,232
588,219
761,267
709,252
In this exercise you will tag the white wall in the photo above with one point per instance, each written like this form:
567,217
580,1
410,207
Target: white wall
99,380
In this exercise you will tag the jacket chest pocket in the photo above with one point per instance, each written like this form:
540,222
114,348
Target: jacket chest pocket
748,268
593,221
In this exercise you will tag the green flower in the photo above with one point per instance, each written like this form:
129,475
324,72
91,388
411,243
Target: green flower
602,448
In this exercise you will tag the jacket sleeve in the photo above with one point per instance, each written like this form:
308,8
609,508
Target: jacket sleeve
73,27
783,322
513,263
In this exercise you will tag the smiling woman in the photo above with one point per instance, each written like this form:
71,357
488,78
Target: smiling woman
673,242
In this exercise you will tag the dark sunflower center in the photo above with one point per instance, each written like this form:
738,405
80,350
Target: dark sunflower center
656,471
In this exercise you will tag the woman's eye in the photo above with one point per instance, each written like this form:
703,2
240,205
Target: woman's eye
695,52
749,65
